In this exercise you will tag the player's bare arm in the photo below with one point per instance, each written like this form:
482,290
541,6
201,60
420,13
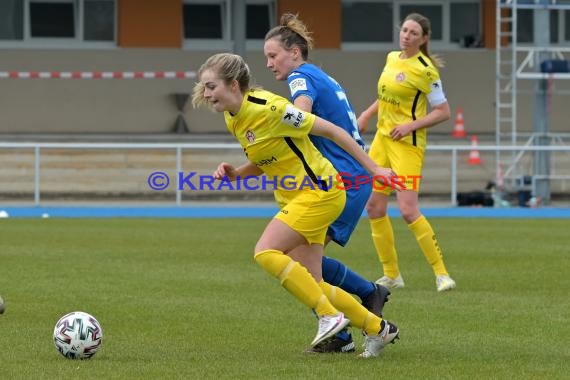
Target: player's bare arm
365,116
346,142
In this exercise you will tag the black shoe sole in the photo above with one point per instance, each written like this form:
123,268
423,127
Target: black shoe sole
333,346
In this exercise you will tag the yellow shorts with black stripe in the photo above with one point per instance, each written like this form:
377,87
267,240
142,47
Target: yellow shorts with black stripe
403,158
310,212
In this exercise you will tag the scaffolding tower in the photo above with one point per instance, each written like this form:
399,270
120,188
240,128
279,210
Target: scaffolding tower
513,63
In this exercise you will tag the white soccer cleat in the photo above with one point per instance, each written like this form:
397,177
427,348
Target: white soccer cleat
389,282
329,325
373,344
444,283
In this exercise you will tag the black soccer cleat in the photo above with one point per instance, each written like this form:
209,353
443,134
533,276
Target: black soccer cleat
375,301
340,343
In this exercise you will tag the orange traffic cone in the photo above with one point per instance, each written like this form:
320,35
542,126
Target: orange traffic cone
474,158
459,129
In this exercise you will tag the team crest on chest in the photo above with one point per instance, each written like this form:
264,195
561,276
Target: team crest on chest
250,136
400,77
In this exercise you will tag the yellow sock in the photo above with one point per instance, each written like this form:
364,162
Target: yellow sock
428,243
296,280
359,316
383,239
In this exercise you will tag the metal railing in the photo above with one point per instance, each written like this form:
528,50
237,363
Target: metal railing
177,149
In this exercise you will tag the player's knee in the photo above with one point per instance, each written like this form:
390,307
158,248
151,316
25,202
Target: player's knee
409,213
375,210
272,261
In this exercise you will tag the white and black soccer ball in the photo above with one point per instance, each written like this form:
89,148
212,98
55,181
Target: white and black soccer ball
77,335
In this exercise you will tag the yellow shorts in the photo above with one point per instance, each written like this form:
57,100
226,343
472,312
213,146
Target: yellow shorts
311,212
405,159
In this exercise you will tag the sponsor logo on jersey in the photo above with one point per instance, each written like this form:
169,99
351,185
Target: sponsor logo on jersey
266,161
293,116
299,84
390,100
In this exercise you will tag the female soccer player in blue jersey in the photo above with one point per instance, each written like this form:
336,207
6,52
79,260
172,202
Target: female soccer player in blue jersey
409,81
268,126
311,89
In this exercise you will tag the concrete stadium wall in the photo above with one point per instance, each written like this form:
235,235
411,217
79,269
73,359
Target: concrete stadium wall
87,107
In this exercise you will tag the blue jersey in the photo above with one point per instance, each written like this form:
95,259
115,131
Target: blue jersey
330,103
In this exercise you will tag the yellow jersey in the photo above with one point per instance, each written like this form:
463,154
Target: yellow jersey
402,94
274,136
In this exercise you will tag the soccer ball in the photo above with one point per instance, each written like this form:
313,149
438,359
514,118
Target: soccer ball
77,335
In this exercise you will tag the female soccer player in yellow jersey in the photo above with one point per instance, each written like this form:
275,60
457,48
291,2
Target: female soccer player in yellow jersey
410,80
274,136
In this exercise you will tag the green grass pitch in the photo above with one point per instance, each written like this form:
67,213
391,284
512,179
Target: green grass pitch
183,299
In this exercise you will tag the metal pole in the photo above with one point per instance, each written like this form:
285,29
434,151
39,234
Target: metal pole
238,26
541,186
178,170
37,176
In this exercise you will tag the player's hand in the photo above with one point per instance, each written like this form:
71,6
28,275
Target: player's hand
387,177
400,131
225,170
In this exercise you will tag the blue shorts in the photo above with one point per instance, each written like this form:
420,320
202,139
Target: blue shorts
344,225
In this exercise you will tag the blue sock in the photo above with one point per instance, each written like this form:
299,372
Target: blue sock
344,335
338,274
